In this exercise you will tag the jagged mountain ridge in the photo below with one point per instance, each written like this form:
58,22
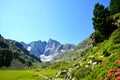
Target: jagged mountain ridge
46,50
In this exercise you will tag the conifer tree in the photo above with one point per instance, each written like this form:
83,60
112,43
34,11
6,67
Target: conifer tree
114,6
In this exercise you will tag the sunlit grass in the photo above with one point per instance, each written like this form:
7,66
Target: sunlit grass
49,72
19,75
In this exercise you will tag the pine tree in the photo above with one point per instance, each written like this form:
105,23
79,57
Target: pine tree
102,23
100,19
114,6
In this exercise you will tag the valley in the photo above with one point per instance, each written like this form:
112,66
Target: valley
97,57
79,67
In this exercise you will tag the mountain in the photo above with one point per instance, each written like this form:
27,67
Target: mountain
100,62
81,49
46,50
14,56
36,47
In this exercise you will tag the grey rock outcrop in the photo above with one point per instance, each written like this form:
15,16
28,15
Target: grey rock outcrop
46,50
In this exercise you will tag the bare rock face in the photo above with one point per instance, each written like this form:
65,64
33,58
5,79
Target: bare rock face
46,50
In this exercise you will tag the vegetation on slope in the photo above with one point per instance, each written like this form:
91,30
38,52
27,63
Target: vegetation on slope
14,56
114,6
97,64
104,55
101,62
103,24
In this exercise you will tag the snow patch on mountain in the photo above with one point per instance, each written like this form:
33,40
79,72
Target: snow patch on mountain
46,50
46,58
29,48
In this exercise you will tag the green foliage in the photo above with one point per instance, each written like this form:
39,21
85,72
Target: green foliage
49,72
100,15
61,65
99,22
102,23
98,37
3,45
114,6
14,56
5,57
116,36
80,73
106,53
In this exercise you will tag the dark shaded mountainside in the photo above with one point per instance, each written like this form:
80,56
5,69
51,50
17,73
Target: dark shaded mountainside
14,56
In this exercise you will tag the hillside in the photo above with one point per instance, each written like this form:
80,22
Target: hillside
81,49
14,56
95,58
99,62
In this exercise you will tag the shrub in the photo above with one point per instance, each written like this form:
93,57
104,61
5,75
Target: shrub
106,53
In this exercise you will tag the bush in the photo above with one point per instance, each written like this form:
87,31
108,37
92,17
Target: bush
106,53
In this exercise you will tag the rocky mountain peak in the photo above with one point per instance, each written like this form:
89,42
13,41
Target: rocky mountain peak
44,50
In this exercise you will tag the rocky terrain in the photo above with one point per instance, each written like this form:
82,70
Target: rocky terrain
47,50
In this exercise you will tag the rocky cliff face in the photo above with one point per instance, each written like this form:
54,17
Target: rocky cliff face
46,50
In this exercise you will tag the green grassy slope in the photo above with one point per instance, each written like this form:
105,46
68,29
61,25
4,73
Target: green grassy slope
105,55
97,63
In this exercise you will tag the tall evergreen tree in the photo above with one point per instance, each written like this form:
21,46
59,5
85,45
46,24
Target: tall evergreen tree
100,19
102,23
114,6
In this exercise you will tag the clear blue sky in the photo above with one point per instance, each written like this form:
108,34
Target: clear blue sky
68,21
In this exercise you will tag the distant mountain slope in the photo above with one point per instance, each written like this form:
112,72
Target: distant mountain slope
81,49
14,55
46,50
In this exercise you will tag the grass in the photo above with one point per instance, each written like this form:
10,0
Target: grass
19,75
27,74
110,52
49,72
54,68
33,74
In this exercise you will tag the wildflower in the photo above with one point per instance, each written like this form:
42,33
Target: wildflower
118,69
101,78
110,74
117,61
117,74
118,78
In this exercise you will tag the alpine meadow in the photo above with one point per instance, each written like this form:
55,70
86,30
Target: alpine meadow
71,53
